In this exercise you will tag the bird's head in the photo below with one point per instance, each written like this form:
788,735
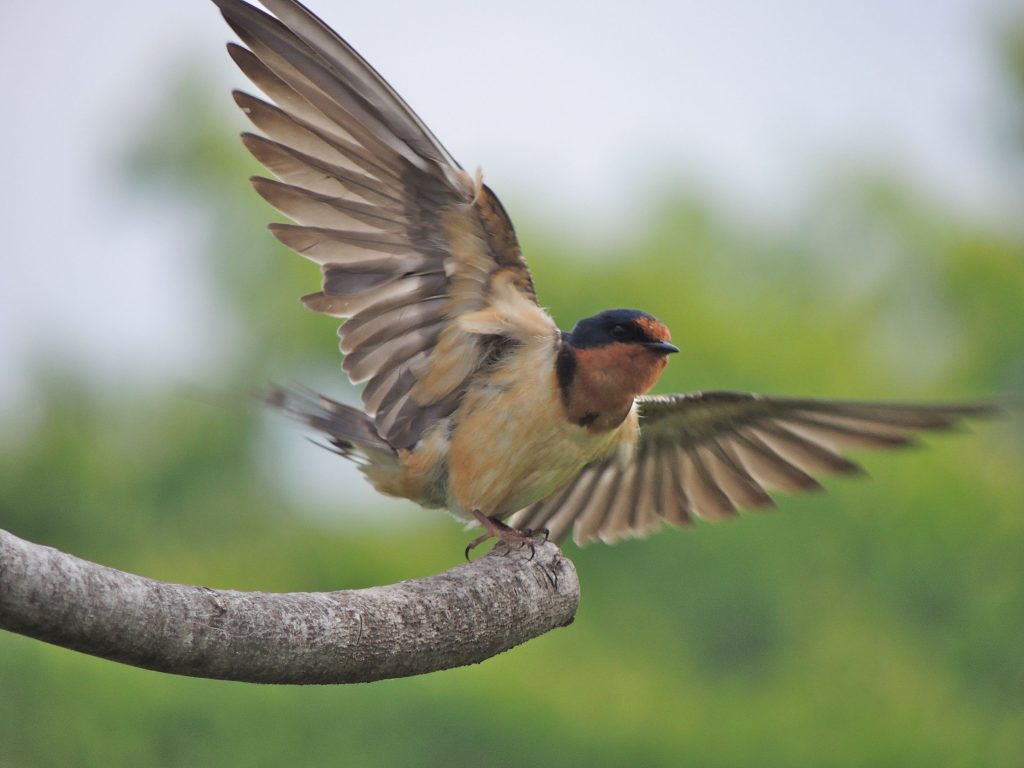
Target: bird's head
623,326
624,347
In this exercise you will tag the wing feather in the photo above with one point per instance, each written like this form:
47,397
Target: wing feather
711,454
731,476
341,246
408,243
561,518
673,499
373,328
353,69
596,510
768,467
644,512
299,110
709,501
301,131
623,501
320,81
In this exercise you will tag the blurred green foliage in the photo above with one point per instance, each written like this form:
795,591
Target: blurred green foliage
878,625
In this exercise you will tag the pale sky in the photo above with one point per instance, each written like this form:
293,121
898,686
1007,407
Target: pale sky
571,108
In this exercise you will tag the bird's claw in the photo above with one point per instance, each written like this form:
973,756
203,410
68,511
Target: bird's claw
475,542
495,528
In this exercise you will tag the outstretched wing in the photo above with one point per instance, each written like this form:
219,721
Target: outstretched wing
709,454
410,245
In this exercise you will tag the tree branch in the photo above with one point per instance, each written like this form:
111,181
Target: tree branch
462,616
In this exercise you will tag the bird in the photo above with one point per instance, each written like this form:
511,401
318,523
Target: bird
474,400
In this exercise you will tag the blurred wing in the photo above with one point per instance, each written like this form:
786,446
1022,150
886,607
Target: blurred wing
710,454
409,244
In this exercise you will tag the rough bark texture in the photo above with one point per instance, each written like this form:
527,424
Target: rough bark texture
463,616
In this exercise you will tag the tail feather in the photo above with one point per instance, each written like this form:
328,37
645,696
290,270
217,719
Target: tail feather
349,430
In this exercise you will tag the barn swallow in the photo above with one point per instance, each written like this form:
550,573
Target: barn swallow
475,401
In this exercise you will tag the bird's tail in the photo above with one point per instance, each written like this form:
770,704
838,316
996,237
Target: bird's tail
349,430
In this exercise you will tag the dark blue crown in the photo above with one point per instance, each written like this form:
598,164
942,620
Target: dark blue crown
609,327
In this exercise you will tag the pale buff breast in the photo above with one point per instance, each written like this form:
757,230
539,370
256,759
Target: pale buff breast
513,444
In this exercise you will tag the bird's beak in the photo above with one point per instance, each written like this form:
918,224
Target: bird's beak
662,346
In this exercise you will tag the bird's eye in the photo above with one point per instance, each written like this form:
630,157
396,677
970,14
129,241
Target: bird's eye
618,332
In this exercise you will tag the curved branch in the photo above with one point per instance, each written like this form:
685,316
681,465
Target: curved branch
462,616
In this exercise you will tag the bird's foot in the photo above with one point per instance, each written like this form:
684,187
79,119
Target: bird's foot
495,529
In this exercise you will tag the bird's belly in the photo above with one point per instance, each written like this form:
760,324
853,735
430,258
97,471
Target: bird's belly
513,446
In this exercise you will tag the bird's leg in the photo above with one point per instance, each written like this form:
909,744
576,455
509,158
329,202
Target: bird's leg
494,528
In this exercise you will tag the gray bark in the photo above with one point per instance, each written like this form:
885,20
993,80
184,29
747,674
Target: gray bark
462,616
